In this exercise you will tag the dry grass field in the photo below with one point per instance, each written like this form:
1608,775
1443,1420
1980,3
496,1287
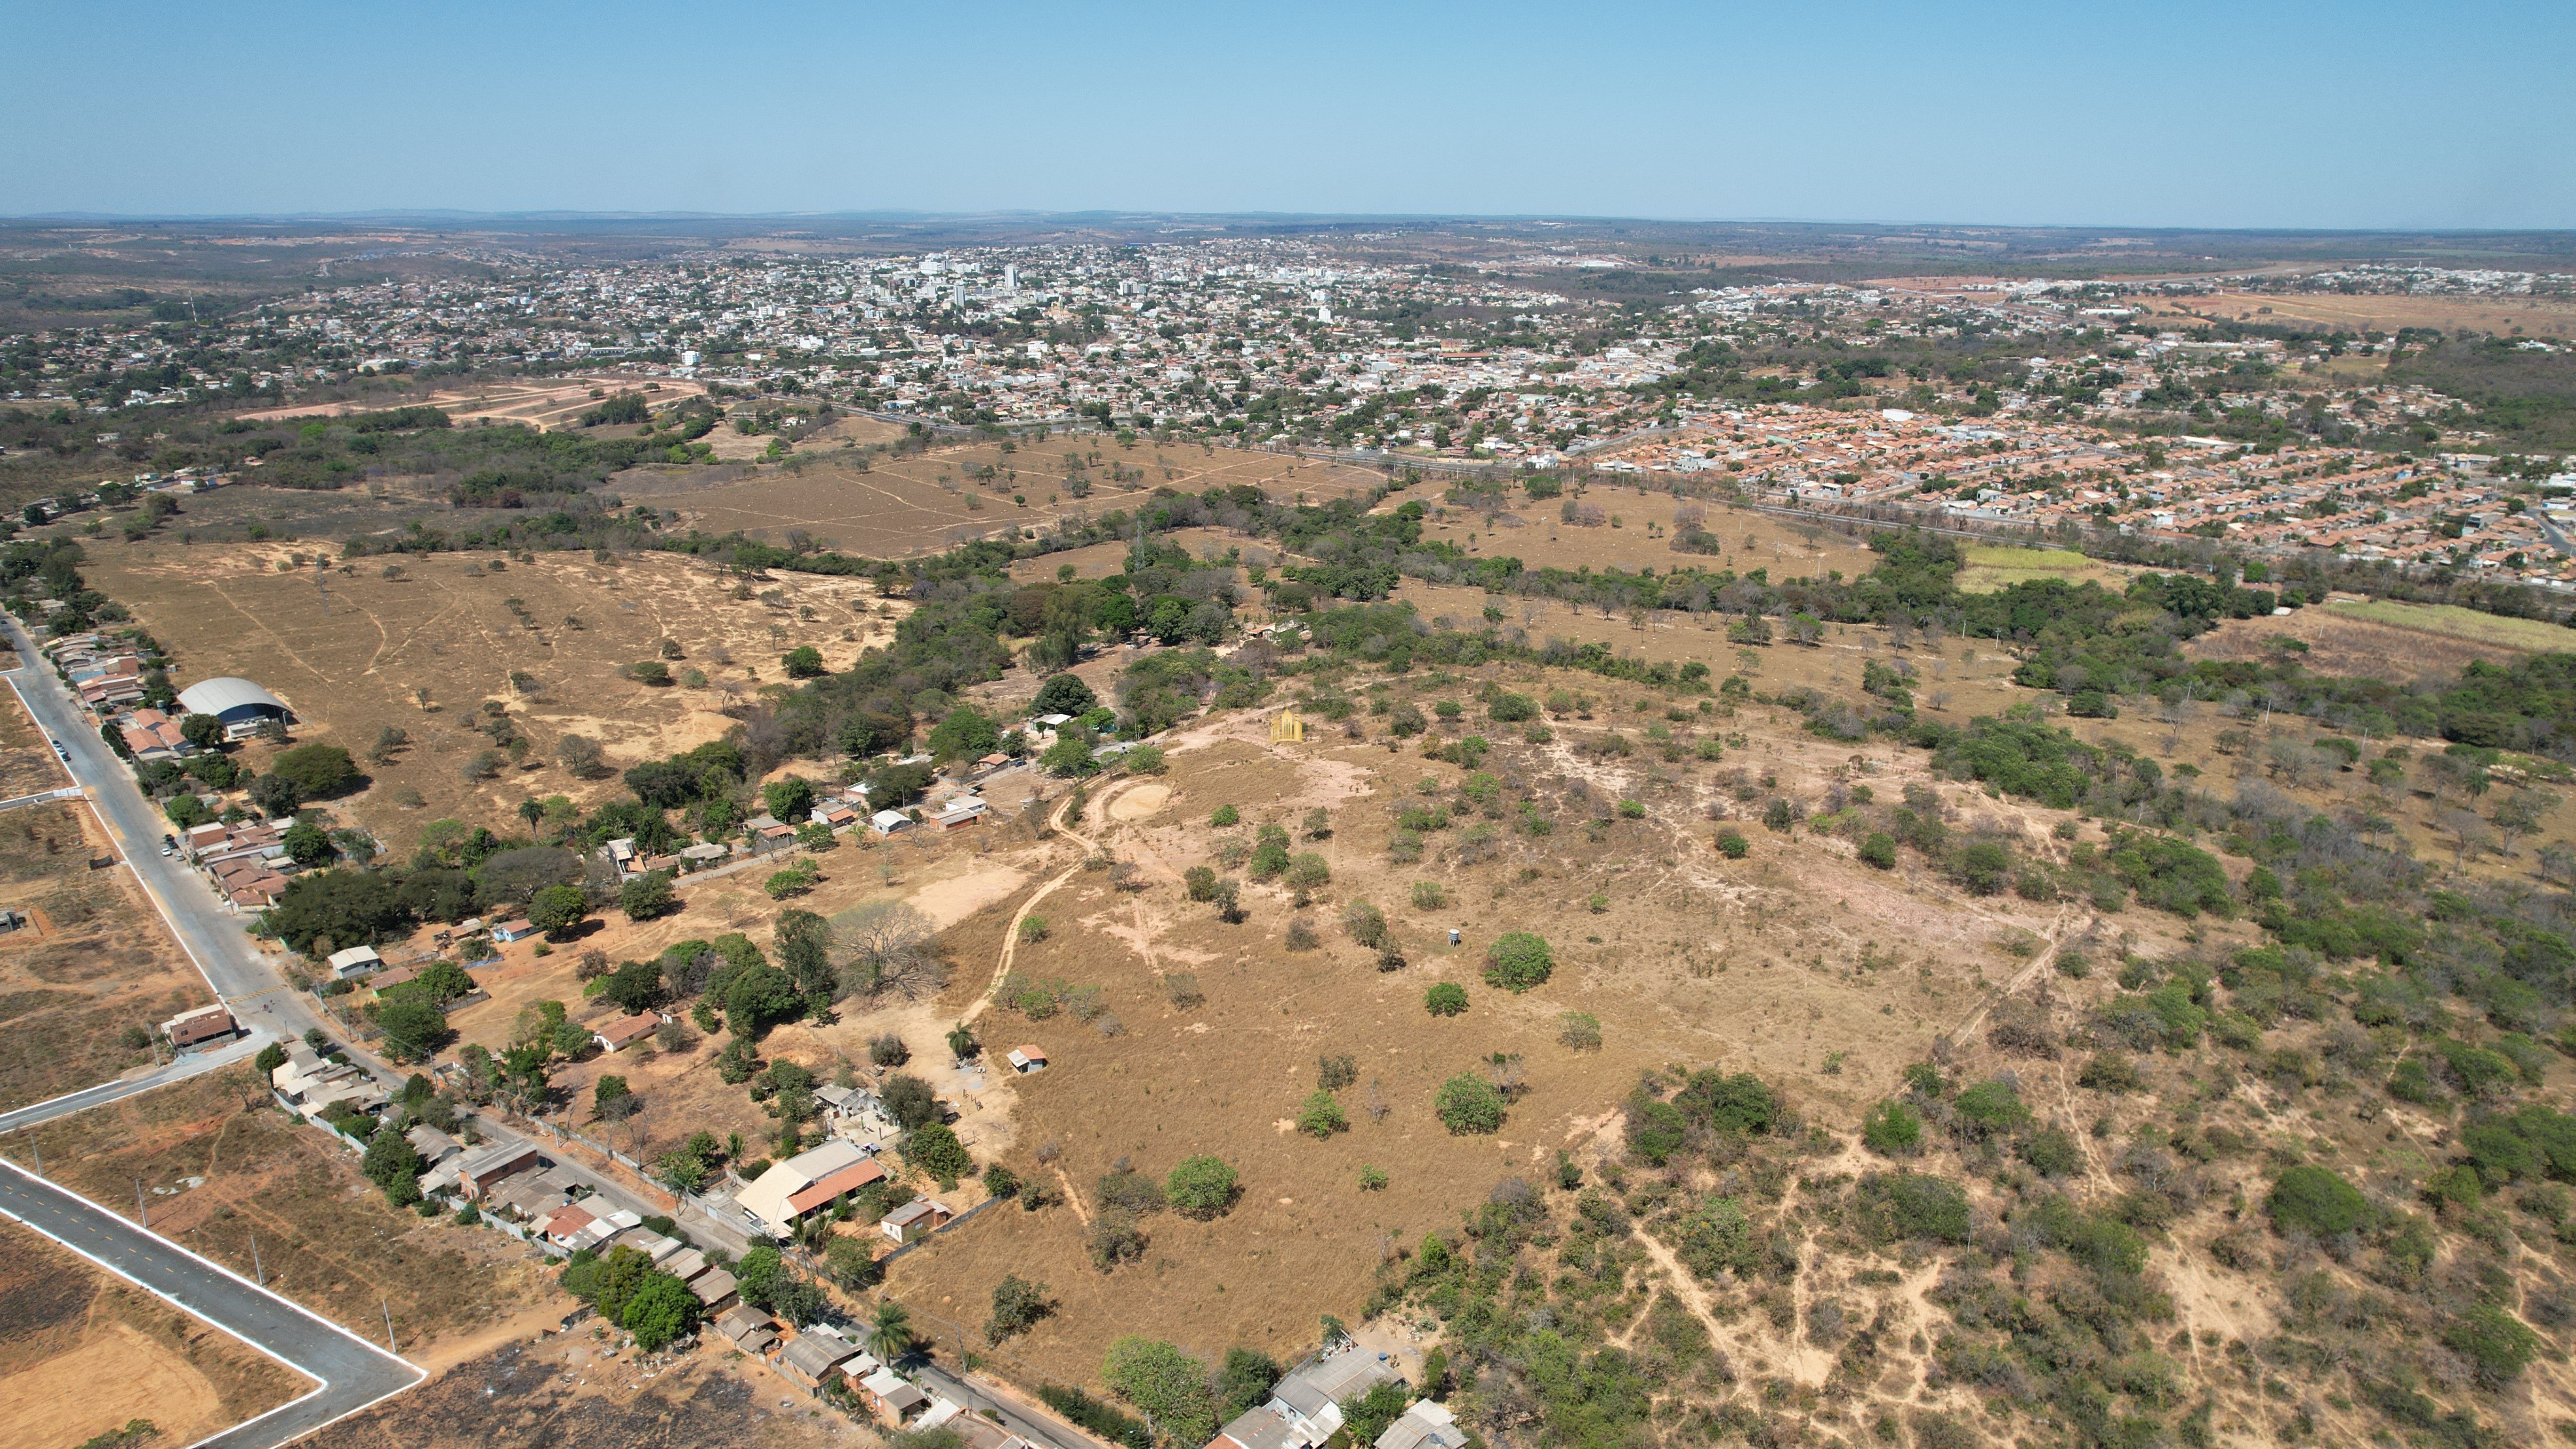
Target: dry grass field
1796,963
886,507
85,1353
1752,540
1993,567
351,651
95,960
2538,316
2385,639
221,1166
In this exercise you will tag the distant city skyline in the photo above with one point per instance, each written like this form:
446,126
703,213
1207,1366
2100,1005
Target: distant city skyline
2397,116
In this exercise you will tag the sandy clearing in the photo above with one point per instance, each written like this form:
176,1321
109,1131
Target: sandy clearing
116,1376
1140,802
950,901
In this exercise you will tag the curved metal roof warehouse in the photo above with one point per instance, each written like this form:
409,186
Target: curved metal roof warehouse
231,700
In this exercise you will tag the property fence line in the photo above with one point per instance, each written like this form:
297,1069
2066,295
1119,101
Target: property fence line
951,1225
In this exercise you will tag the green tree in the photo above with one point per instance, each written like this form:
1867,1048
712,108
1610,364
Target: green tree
556,910
1245,1382
1200,1187
1891,1129
803,662
889,1334
966,734
1518,960
1468,1104
616,1279
1322,1116
758,1275
307,844
201,730
1446,998
790,799
2314,1200
1164,1382
318,771
1017,1306
391,1163
648,896
935,1147
659,1312
414,1027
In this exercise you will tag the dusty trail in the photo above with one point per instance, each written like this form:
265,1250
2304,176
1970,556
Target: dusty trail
1011,937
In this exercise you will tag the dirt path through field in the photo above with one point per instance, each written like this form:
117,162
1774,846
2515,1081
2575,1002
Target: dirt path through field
1011,938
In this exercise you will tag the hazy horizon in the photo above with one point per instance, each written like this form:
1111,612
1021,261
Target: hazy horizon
2194,116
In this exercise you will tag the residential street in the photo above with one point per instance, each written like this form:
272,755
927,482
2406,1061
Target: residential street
248,980
352,1372
189,1064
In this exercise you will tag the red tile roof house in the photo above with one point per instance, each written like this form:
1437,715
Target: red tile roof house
626,1031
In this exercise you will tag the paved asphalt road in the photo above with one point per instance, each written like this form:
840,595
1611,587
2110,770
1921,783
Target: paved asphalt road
249,981
188,1065
1014,1414
353,1373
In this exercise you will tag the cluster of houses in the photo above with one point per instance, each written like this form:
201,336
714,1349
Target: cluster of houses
1305,1408
828,1365
819,1178
311,1082
246,862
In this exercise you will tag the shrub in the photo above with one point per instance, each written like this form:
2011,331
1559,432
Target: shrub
1579,1031
1991,1107
1879,850
2313,1200
1469,1104
1517,961
1321,1116
1032,929
1199,882
1913,1205
1225,815
1371,1180
1366,924
1892,1129
2050,1150
1732,844
1447,998
1428,896
2496,1342
1200,1187
2113,1072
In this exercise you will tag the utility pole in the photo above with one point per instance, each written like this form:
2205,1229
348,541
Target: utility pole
389,1326
142,1214
40,1155
257,1271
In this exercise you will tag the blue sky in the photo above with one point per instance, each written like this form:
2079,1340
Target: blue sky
2237,115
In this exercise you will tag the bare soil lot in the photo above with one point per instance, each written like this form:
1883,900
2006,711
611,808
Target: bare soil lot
220,1165
2539,316
566,1392
84,1353
887,507
94,960
543,404
2348,643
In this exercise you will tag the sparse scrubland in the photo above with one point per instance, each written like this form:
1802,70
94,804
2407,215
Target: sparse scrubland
1650,1005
